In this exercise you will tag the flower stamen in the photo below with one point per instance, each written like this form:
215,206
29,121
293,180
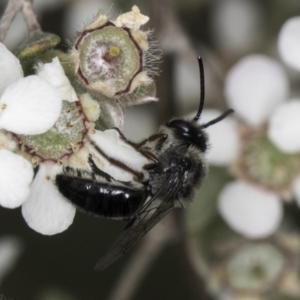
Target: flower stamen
112,53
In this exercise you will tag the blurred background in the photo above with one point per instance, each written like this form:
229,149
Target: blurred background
37,267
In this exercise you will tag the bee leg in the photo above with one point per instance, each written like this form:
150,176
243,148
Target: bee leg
139,147
123,137
118,163
159,136
149,155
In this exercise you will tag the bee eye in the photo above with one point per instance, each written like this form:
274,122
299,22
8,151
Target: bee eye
179,125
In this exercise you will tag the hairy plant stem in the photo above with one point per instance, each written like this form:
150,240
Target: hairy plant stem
12,8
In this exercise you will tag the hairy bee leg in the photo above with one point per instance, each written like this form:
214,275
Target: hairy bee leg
161,139
159,136
123,137
138,146
118,163
149,155
98,171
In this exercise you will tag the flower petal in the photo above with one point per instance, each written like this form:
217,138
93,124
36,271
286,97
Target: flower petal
254,86
111,144
46,211
249,210
29,106
284,126
10,67
289,43
10,249
16,175
90,107
7,142
133,19
223,138
111,113
54,74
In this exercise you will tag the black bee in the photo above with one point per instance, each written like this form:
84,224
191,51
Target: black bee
176,170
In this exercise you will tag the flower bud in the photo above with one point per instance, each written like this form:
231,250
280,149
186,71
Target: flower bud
37,45
109,56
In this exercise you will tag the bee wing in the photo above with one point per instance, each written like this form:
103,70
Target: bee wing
148,216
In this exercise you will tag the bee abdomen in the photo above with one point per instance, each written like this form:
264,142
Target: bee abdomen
101,198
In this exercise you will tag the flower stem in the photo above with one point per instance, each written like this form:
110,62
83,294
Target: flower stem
30,18
13,6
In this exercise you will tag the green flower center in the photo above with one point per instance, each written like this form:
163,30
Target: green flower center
255,267
61,139
267,165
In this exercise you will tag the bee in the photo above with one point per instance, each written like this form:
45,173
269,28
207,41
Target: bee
176,169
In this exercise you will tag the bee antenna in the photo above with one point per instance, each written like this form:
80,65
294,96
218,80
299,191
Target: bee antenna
218,119
202,89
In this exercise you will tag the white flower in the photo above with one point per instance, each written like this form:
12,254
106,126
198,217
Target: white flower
55,75
289,43
45,209
31,105
28,105
284,126
250,210
254,86
15,177
10,250
257,89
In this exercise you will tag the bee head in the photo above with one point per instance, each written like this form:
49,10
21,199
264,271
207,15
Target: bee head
189,133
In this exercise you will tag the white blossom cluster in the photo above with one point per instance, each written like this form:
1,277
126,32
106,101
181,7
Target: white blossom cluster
258,89
29,106
45,125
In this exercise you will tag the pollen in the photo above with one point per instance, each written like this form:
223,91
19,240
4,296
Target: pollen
34,161
55,143
3,106
72,144
112,53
